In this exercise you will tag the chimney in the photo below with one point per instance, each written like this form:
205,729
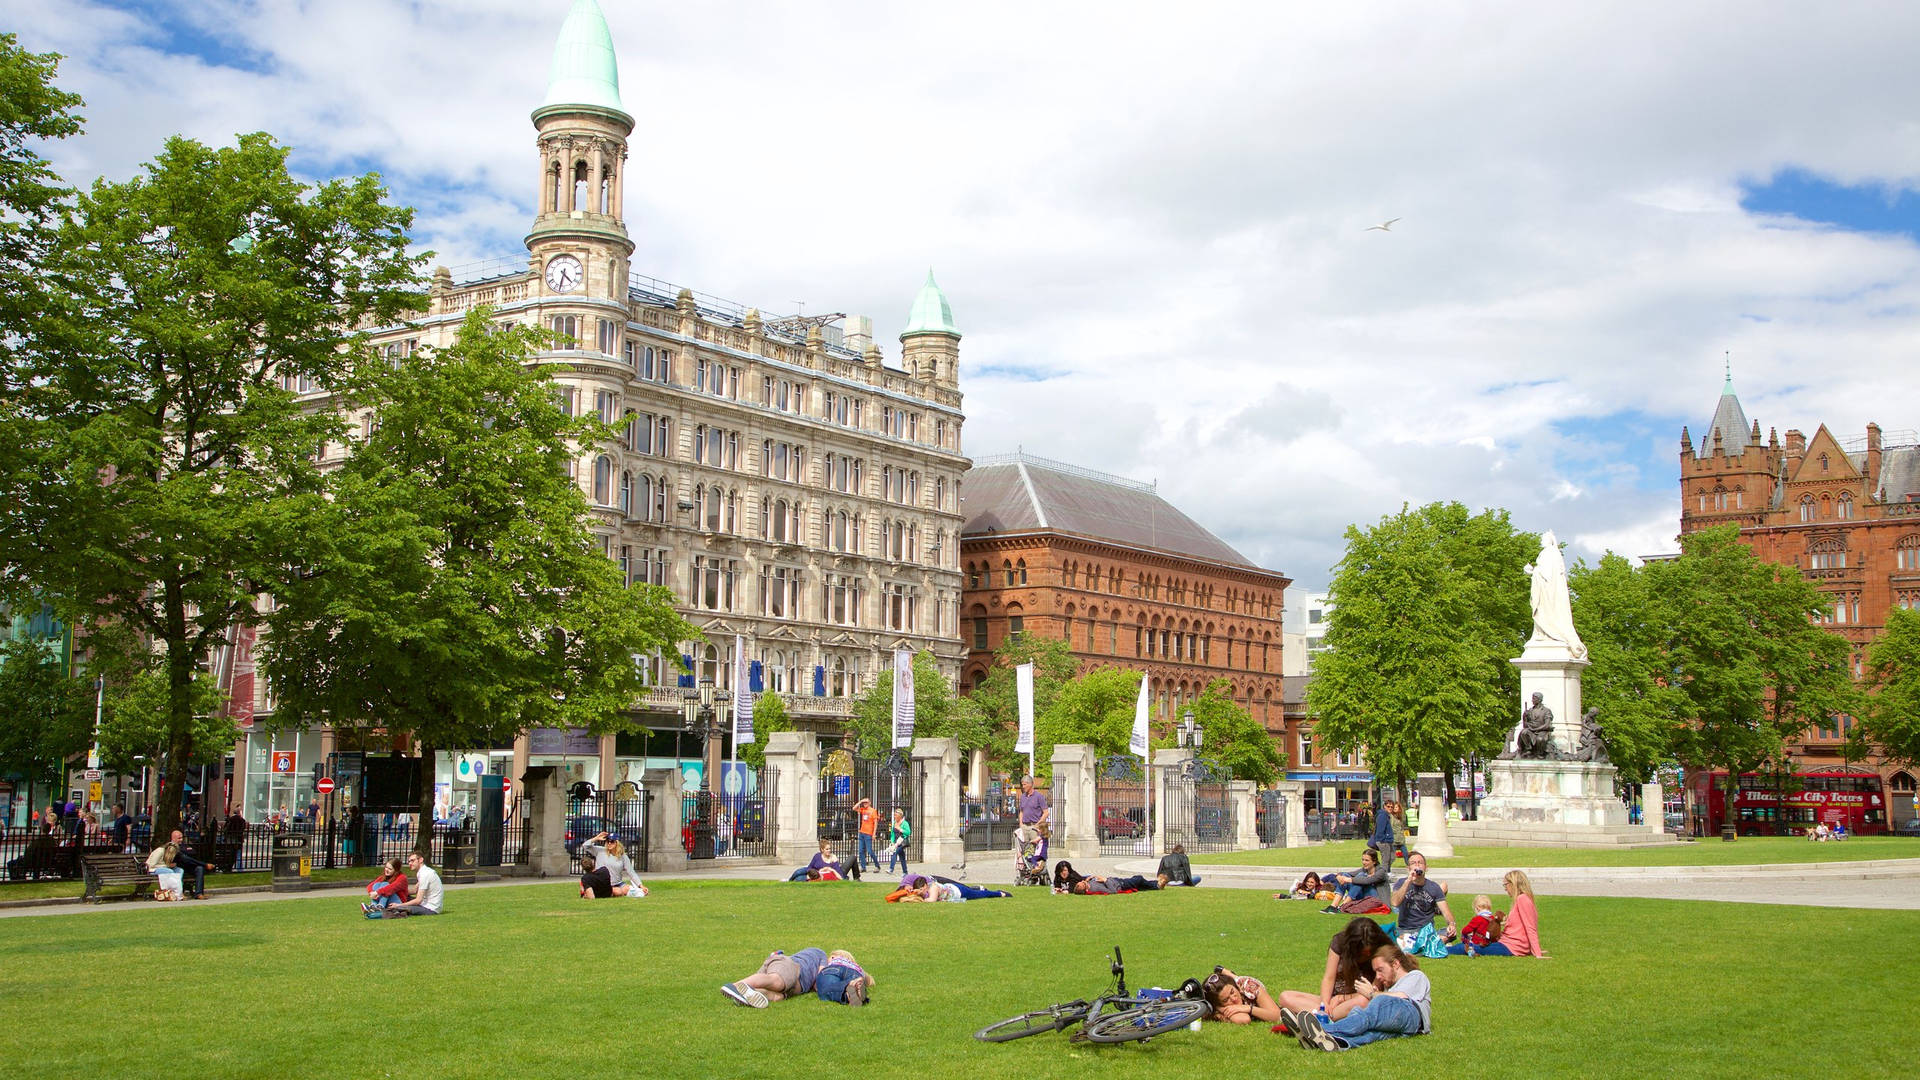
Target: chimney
1796,449
859,333
1873,459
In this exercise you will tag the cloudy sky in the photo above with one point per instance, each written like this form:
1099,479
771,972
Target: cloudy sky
1151,219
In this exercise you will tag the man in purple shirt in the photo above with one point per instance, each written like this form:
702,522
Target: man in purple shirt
1033,805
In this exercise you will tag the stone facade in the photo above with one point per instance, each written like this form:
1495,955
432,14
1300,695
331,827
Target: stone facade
1186,613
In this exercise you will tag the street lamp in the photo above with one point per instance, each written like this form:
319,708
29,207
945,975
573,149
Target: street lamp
699,721
1189,733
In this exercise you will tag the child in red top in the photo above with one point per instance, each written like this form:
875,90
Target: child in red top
1480,930
869,822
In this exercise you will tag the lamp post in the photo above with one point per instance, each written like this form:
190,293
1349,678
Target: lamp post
1189,733
699,721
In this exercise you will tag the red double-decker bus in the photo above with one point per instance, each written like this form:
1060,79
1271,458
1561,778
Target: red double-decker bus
1765,806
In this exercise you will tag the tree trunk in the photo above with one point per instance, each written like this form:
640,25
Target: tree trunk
179,746
423,837
1729,802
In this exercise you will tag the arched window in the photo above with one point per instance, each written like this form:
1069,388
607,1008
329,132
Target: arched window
1007,568
712,501
1844,509
1806,508
606,191
602,479
780,530
940,493
626,493
553,188
1022,566
579,185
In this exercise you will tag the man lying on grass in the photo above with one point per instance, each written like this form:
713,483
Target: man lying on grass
1398,1002
836,978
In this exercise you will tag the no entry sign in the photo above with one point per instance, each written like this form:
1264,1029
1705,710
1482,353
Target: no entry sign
324,785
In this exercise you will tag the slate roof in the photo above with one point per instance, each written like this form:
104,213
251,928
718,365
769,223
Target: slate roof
1022,493
1730,420
1899,473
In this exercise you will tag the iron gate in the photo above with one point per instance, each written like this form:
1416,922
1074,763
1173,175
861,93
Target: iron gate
1123,807
889,782
620,813
734,821
1271,819
1200,812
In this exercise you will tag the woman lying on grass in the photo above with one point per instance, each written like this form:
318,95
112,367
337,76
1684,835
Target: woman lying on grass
1068,880
934,892
1239,999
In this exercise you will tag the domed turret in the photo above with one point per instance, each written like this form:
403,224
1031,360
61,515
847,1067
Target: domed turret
585,72
930,345
931,314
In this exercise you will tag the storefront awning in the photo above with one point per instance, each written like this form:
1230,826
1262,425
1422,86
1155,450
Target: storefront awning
1332,777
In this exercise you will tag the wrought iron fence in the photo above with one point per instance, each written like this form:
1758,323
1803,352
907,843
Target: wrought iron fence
1200,810
887,783
1123,807
620,813
739,820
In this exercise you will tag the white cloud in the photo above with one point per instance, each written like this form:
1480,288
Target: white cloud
1166,214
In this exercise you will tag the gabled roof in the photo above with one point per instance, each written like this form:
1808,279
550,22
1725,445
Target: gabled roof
1839,465
1021,493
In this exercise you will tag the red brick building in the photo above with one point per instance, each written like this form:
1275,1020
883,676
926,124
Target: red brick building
1107,565
1844,512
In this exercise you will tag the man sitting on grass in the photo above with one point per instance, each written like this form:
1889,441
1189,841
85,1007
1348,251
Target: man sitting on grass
596,880
1174,868
1399,1001
427,892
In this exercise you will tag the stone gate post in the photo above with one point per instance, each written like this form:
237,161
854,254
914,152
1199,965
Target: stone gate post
936,763
665,853
1075,835
795,758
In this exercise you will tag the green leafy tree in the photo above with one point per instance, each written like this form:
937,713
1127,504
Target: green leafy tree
769,716
155,472
1234,738
32,109
46,715
1625,622
451,587
1095,710
1429,605
1891,717
1751,667
996,701
937,712
134,728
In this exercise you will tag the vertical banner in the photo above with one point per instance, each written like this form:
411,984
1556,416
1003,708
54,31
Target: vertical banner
1137,745
1023,680
240,696
902,698
742,696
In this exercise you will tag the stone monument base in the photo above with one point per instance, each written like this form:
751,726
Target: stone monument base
1533,803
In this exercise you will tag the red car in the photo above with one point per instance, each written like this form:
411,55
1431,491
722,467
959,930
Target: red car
1112,823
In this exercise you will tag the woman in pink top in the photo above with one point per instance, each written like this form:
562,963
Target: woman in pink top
1521,934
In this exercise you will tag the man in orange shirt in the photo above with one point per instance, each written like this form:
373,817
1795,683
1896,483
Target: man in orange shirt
869,822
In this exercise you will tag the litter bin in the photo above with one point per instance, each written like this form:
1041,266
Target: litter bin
292,862
457,858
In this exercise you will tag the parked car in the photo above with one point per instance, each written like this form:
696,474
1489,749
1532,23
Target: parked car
1111,823
839,823
585,827
1907,828
1212,824
750,821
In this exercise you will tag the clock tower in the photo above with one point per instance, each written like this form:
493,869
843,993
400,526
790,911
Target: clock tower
579,244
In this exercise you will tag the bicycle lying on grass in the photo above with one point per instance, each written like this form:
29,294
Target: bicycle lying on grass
1132,1017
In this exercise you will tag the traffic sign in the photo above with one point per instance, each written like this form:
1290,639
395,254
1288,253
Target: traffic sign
506,783
324,785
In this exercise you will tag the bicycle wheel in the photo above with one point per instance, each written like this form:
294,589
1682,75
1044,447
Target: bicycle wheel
1146,1021
1033,1023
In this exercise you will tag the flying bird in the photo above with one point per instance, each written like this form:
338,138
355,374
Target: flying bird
1385,226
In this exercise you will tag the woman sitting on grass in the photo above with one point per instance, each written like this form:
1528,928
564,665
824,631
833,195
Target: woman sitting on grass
1521,934
1239,999
822,867
1349,959
1307,888
389,888
610,854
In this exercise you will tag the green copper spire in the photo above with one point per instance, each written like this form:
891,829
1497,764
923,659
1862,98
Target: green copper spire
584,69
931,313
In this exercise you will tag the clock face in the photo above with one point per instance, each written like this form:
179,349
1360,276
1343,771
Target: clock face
563,273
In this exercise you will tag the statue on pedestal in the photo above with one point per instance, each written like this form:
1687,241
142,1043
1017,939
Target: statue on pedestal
1552,610
1593,747
1533,738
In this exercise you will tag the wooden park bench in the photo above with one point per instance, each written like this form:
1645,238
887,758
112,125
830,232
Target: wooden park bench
114,869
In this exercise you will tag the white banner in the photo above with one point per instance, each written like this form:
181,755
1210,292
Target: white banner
902,698
1137,745
1023,679
742,696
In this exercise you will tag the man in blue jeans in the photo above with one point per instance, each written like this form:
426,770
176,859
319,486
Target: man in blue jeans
1399,1002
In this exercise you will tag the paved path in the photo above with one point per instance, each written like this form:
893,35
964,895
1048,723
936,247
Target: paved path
1888,883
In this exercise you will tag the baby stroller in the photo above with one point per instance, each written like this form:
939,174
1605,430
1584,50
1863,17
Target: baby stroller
1030,856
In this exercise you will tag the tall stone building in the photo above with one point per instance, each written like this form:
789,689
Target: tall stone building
1107,565
784,479
1844,513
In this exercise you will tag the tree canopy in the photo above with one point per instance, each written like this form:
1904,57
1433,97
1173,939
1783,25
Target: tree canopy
46,715
1891,717
1429,606
936,710
996,701
1626,622
157,472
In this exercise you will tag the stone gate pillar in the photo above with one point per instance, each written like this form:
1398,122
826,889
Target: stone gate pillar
1432,840
795,759
1653,806
1246,806
1076,821
545,802
665,853
936,763
1293,795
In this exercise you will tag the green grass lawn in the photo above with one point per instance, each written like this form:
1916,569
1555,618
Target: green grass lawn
1748,850
530,981
35,890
